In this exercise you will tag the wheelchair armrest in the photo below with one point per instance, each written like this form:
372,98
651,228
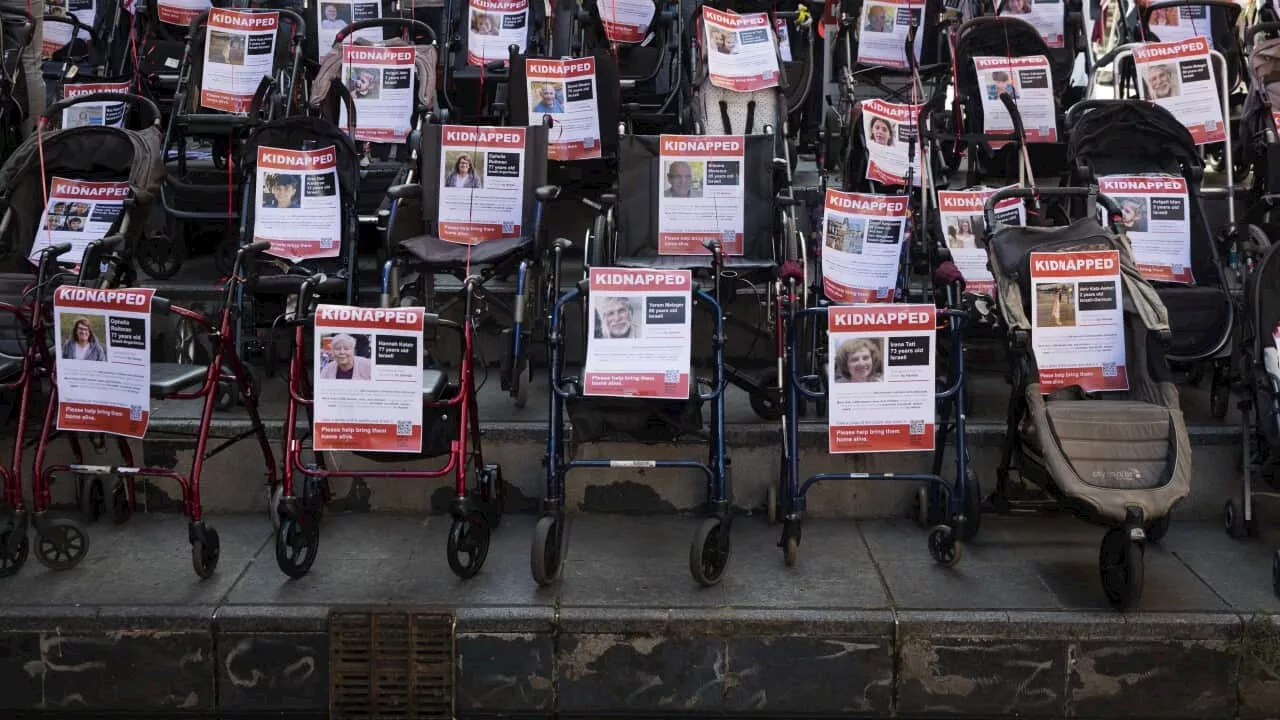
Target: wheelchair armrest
609,199
547,193
562,243
405,191
160,305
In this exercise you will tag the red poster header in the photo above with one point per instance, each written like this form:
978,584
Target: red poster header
734,21
64,189
893,111
236,20
701,145
1188,48
560,68
377,55
124,300
501,5
615,279
281,159
88,88
880,318
880,205
1137,183
343,316
510,138
1075,264
1003,63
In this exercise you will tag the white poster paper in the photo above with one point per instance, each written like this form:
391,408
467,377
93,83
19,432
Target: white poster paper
1046,16
381,83
481,183
863,236
701,194
741,54
104,359
1175,24
493,27
889,131
884,27
963,224
784,38
238,53
1180,77
881,380
298,211
333,16
78,212
641,333
1078,320
180,12
566,90
368,379
1029,81
626,21
109,114
57,35
1157,219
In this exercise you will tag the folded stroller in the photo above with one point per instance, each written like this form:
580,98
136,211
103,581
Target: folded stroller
1118,457
1259,146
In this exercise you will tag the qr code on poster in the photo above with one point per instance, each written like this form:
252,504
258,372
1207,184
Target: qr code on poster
135,413
1177,269
916,427
1108,369
404,428
671,377
326,243
508,228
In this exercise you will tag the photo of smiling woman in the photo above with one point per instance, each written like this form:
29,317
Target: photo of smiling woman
881,131
860,360
463,171
82,342
342,360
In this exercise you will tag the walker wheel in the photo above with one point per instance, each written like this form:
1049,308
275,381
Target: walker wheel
1233,520
790,550
61,544
709,554
943,546
493,491
11,563
205,554
275,494
771,504
121,508
297,543
468,545
1120,561
972,507
547,552
226,395
920,507
93,497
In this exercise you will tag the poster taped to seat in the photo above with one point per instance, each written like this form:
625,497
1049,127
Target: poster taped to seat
963,224
78,212
862,246
298,203
1078,320
239,51
57,35
493,27
1029,81
1175,24
368,379
1157,219
566,90
481,183
641,333
885,25
180,12
701,194
1180,77
333,16
626,21
104,359
1046,16
108,114
381,83
888,131
881,380
741,54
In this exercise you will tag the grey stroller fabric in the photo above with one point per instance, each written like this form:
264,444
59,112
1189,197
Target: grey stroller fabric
425,59
1114,450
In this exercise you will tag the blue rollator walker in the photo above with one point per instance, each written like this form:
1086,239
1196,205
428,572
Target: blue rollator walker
709,553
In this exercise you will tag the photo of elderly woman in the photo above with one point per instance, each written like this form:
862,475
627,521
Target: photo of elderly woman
465,170
860,360
82,338
343,357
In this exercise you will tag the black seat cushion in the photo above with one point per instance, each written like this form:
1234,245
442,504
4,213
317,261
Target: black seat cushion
431,252
694,262
170,378
9,366
433,383
1198,317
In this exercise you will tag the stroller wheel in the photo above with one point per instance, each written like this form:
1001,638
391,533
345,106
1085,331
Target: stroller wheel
547,552
160,254
121,507
205,554
93,500
61,544
709,553
11,563
943,546
1120,561
468,545
1233,520
297,543
1158,529
791,550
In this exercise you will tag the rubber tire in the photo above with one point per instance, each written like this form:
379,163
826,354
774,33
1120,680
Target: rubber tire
44,548
9,566
121,508
296,567
598,249
274,496
708,575
1233,520
1157,530
767,409
460,528
791,551
944,547
205,555
546,555
1275,572
93,498
972,507
1125,559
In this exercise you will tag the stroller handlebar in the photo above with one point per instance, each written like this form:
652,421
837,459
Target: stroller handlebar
416,27
55,110
989,208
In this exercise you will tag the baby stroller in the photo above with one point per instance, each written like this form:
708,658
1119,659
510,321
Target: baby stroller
1259,147
1118,452
1131,137
81,65
483,38
15,34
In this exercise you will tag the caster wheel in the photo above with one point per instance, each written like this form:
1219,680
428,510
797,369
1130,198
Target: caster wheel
11,563
521,398
1158,529
547,553
1233,520
205,554
61,545
707,559
468,545
1120,562
121,507
771,504
297,543
274,495
93,498
1275,572
226,396
160,255
790,551
943,546
494,494
972,507
920,507
766,404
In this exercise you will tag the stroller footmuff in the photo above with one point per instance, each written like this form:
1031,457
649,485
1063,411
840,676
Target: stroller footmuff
1106,440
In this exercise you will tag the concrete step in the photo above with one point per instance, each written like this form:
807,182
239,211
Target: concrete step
865,625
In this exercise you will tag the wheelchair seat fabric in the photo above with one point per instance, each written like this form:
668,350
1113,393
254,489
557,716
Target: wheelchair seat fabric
9,366
431,252
170,378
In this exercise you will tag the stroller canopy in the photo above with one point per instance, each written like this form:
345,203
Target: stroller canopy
1131,136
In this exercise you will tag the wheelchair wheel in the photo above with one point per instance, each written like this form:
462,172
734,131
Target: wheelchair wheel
297,544
161,253
121,507
548,550
709,553
93,497
972,507
468,545
11,563
598,248
61,544
205,554
944,546
1120,562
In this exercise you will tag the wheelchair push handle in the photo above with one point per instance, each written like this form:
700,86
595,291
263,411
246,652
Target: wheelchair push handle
1254,30
417,29
999,196
77,29
1229,7
151,117
53,252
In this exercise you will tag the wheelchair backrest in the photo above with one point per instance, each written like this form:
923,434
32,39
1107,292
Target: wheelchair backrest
535,171
607,99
